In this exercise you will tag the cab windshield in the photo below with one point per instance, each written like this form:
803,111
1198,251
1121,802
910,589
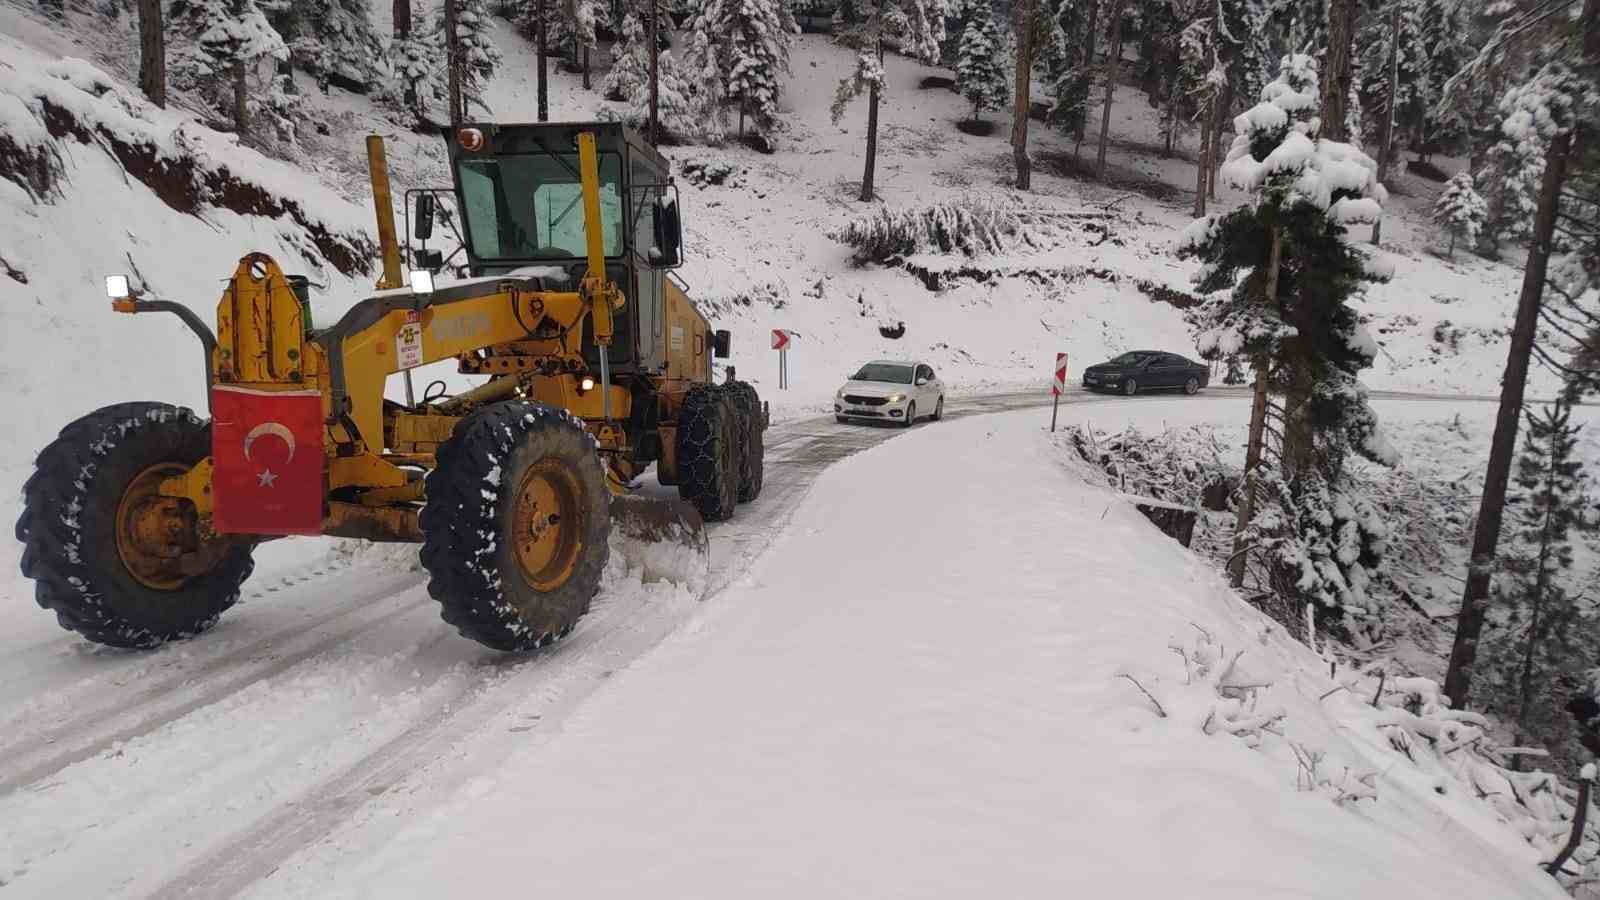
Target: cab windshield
884,372
531,206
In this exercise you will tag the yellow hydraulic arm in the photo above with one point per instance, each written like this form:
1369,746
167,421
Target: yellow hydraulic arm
598,292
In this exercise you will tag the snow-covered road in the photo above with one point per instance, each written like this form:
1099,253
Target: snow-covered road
334,702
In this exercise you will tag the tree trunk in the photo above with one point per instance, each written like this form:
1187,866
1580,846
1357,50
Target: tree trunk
152,53
651,38
1237,563
1386,149
1019,119
541,52
586,67
1088,62
1219,114
241,100
1337,72
872,136
452,54
1202,168
1486,537
1114,65
402,30
1452,251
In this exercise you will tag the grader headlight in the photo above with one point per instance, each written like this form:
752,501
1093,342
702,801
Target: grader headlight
421,281
120,291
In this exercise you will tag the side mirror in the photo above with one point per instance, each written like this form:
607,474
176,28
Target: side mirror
668,251
921,382
721,343
423,228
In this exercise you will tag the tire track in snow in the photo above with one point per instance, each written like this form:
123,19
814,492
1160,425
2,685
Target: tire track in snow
609,638
95,729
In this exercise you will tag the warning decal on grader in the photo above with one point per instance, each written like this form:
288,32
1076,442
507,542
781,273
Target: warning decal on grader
267,450
408,343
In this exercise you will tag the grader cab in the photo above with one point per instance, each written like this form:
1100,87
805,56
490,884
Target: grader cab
140,519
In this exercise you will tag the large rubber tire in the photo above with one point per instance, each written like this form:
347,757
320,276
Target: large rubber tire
911,416
470,535
1130,387
708,452
68,529
752,442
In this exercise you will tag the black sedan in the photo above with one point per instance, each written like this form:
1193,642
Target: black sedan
1147,370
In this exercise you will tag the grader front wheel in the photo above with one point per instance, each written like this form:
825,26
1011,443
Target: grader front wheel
116,561
516,528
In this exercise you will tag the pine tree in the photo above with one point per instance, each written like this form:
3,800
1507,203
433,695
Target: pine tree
1289,276
630,63
1537,641
1070,68
1571,44
1459,210
1529,113
479,56
417,59
981,70
683,108
917,26
338,43
231,38
741,48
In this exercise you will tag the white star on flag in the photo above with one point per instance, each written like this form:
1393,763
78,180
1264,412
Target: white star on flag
267,478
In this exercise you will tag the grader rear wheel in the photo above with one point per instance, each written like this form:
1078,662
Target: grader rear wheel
116,561
516,528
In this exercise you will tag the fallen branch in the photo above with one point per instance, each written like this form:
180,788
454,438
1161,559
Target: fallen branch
1153,701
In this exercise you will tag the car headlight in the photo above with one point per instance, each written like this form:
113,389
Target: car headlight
896,398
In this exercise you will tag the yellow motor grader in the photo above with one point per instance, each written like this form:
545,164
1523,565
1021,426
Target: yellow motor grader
140,519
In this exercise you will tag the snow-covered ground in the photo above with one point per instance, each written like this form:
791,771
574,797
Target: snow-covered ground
916,692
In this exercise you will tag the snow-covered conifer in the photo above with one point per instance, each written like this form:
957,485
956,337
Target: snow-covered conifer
479,56
683,108
1536,640
231,37
1069,68
1530,115
418,62
1459,210
981,71
336,40
917,27
630,62
741,48
1288,276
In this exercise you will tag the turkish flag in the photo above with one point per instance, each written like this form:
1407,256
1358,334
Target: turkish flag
266,449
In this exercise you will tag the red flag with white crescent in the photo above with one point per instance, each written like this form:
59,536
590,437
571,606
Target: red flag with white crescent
266,449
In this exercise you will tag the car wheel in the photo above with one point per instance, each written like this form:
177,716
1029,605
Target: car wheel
1192,386
1130,387
911,416
938,411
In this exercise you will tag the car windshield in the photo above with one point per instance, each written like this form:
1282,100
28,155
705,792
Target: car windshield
531,206
1130,359
884,372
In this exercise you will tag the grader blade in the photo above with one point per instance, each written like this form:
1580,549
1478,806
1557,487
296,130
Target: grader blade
665,538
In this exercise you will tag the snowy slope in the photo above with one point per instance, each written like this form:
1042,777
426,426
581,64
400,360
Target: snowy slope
916,693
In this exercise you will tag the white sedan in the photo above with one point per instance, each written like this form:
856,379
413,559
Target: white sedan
894,390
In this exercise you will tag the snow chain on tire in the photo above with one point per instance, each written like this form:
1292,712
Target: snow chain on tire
68,529
470,536
708,452
752,443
